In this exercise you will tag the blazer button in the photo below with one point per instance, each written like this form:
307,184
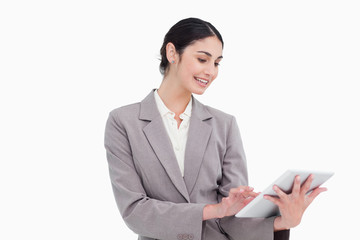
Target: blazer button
185,236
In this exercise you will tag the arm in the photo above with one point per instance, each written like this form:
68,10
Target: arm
145,216
235,174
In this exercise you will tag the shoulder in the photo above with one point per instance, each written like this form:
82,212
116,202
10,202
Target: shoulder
221,119
219,114
126,112
214,114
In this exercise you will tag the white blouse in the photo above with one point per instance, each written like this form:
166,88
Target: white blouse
178,136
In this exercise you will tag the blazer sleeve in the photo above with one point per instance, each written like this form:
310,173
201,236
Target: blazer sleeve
234,167
234,174
143,215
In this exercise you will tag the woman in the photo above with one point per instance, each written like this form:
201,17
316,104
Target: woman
177,167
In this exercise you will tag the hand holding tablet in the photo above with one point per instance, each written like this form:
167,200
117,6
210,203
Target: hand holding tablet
261,208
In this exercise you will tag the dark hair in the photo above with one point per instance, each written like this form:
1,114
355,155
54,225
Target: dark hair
183,34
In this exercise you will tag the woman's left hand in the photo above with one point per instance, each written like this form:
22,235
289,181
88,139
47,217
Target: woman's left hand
292,206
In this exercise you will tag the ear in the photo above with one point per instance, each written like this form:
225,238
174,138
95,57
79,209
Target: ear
171,53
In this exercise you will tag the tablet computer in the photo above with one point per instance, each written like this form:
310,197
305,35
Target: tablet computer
262,208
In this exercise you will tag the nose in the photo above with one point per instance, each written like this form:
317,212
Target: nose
211,71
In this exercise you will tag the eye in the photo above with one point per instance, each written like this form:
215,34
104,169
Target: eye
201,60
217,64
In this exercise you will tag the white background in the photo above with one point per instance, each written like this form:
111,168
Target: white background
290,75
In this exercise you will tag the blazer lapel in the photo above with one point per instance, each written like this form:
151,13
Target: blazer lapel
198,137
160,142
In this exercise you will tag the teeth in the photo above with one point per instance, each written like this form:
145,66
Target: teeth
201,80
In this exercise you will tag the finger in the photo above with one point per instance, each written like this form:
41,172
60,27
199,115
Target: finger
245,188
306,186
241,191
234,192
279,192
244,191
296,186
249,189
237,190
274,200
315,193
249,194
247,201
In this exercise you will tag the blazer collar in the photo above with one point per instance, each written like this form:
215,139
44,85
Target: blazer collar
149,110
198,137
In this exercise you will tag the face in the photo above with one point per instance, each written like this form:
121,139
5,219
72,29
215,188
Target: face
199,65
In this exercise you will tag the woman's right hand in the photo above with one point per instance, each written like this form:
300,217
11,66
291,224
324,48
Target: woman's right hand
238,198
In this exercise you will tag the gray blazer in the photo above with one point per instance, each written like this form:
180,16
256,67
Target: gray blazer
155,201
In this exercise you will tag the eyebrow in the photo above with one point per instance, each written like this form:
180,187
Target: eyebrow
209,54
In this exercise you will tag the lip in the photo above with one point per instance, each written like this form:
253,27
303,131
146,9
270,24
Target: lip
202,81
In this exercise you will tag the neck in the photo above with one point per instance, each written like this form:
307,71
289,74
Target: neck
174,96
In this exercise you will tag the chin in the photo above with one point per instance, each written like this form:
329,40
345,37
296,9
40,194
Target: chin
199,92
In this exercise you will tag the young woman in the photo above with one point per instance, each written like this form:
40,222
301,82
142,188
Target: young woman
177,167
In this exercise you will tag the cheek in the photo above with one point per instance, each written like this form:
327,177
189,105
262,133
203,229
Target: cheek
190,69
216,73
193,68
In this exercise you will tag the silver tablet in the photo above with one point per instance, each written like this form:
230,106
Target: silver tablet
262,208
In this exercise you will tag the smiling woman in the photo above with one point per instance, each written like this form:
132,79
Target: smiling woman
183,34
178,167
194,69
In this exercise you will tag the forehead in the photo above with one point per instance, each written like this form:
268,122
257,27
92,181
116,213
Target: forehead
211,45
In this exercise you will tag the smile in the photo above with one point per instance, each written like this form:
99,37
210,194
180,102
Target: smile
203,81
